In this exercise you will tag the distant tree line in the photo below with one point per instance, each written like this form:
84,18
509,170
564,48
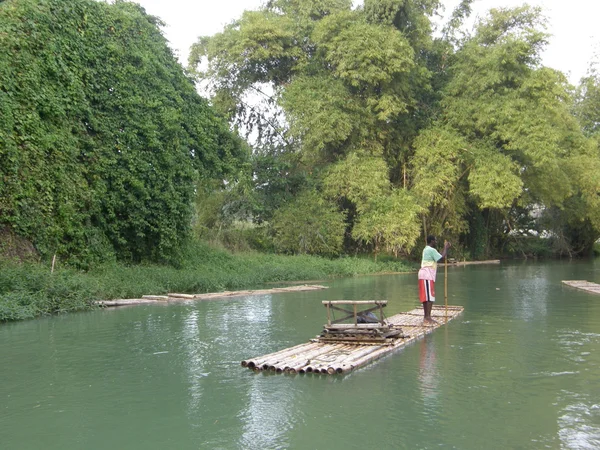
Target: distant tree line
371,131
103,137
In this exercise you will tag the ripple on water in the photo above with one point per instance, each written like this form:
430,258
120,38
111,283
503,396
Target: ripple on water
579,422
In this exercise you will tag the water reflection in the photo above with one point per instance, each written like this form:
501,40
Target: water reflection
428,373
268,415
194,349
530,286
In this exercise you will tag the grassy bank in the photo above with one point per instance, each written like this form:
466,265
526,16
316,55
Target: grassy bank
30,290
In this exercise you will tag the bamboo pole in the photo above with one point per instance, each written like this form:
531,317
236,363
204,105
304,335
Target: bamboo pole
370,357
258,360
297,368
280,357
339,354
357,356
253,361
351,365
354,302
335,366
446,283
306,357
273,364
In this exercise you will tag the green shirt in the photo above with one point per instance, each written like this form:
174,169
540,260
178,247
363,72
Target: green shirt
429,263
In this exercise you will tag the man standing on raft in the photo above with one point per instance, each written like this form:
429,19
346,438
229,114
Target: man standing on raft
427,276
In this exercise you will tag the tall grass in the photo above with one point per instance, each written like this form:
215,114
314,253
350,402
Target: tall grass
30,290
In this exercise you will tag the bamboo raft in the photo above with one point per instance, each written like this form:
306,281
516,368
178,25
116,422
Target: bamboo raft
174,297
453,262
341,348
584,285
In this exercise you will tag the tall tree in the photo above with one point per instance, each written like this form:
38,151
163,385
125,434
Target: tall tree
587,107
505,138
102,136
465,131
344,79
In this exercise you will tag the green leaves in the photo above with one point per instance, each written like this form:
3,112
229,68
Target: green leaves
309,225
587,107
363,54
339,80
103,136
494,180
506,137
439,162
365,100
321,114
359,178
385,217
391,221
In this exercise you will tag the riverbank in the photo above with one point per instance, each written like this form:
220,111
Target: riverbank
31,290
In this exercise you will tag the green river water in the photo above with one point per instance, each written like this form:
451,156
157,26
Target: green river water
520,369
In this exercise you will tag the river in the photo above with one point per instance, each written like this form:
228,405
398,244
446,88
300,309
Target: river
520,369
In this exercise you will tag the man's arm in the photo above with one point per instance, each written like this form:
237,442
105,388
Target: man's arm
445,250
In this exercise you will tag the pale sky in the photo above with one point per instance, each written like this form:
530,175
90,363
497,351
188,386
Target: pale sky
572,23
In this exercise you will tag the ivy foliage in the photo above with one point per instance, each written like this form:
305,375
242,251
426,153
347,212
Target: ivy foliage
103,136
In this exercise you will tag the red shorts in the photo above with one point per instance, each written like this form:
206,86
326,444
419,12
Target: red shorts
426,291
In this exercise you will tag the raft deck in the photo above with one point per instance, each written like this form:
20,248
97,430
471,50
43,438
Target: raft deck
584,285
329,358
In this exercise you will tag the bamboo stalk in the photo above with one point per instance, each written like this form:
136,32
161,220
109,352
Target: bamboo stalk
254,360
318,365
291,366
334,366
177,296
282,356
354,302
446,282
365,359
357,356
308,356
368,358
300,367
360,352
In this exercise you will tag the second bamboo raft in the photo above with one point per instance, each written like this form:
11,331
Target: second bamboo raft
330,358
584,285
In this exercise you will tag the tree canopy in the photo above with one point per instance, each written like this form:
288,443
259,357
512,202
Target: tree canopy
463,134
102,135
